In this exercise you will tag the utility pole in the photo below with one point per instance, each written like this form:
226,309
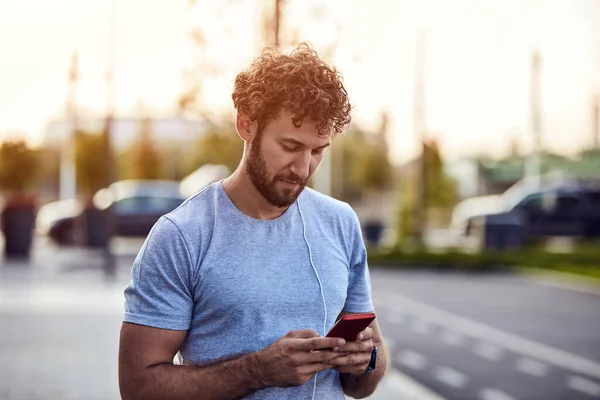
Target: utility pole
277,21
420,132
534,164
109,259
323,178
111,97
68,183
596,122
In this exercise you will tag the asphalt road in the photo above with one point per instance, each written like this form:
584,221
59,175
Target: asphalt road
491,337
484,337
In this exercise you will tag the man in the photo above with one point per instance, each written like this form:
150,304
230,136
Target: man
245,279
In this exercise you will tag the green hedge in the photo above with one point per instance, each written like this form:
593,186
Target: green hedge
584,261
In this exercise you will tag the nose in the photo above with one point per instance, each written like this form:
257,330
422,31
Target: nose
301,165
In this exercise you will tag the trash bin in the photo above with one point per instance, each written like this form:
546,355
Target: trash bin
373,232
96,228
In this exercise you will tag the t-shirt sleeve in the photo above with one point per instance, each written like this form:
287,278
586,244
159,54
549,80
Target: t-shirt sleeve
159,293
358,298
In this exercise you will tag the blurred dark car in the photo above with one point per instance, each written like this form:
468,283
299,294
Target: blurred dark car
136,206
568,210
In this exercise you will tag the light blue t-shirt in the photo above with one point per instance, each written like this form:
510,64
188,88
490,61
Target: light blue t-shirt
237,284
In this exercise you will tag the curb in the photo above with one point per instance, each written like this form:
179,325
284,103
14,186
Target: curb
563,280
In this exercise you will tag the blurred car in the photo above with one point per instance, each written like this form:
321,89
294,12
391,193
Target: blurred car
136,206
563,209
202,177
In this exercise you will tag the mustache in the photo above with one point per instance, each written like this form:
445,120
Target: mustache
291,178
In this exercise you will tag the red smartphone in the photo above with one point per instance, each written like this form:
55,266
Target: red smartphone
349,326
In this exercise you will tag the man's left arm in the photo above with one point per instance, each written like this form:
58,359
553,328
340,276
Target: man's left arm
352,366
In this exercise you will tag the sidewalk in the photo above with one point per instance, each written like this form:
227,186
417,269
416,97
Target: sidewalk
60,316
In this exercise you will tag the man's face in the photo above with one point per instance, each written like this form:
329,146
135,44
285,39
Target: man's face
282,159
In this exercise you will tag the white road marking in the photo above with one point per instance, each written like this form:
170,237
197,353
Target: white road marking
494,394
532,367
453,339
394,317
488,351
396,385
510,341
584,385
421,327
450,377
412,360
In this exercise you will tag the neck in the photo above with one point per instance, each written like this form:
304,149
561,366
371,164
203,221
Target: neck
244,195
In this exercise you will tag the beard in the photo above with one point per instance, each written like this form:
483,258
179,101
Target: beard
256,167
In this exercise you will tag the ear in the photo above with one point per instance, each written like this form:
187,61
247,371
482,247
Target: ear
244,126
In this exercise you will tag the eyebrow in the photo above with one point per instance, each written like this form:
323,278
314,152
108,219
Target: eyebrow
300,144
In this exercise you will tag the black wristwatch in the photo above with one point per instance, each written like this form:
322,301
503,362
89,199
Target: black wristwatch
373,361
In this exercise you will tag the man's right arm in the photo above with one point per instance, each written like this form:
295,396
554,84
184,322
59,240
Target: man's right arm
146,369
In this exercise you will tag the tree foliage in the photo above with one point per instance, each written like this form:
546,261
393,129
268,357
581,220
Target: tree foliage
360,163
220,145
143,160
441,193
19,166
90,162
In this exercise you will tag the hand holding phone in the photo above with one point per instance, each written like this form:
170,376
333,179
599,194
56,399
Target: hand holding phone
349,326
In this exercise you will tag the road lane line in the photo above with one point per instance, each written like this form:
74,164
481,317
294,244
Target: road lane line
494,394
421,327
394,318
488,351
450,377
396,385
510,341
412,359
453,339
532,367
584,385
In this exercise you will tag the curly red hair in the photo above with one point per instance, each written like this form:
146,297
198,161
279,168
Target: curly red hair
301,83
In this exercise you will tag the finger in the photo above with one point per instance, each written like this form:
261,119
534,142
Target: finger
353,359
315,357
322,356
368,333
311,369
316,343
349,370
303,334
365,346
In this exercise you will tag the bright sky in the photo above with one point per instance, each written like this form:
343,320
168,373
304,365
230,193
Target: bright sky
477,62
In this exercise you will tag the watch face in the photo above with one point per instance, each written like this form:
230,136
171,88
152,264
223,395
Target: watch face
373,361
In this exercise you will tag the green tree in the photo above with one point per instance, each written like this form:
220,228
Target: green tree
441,189
19,167
442,194
90,163
220,145
360,163
143,160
